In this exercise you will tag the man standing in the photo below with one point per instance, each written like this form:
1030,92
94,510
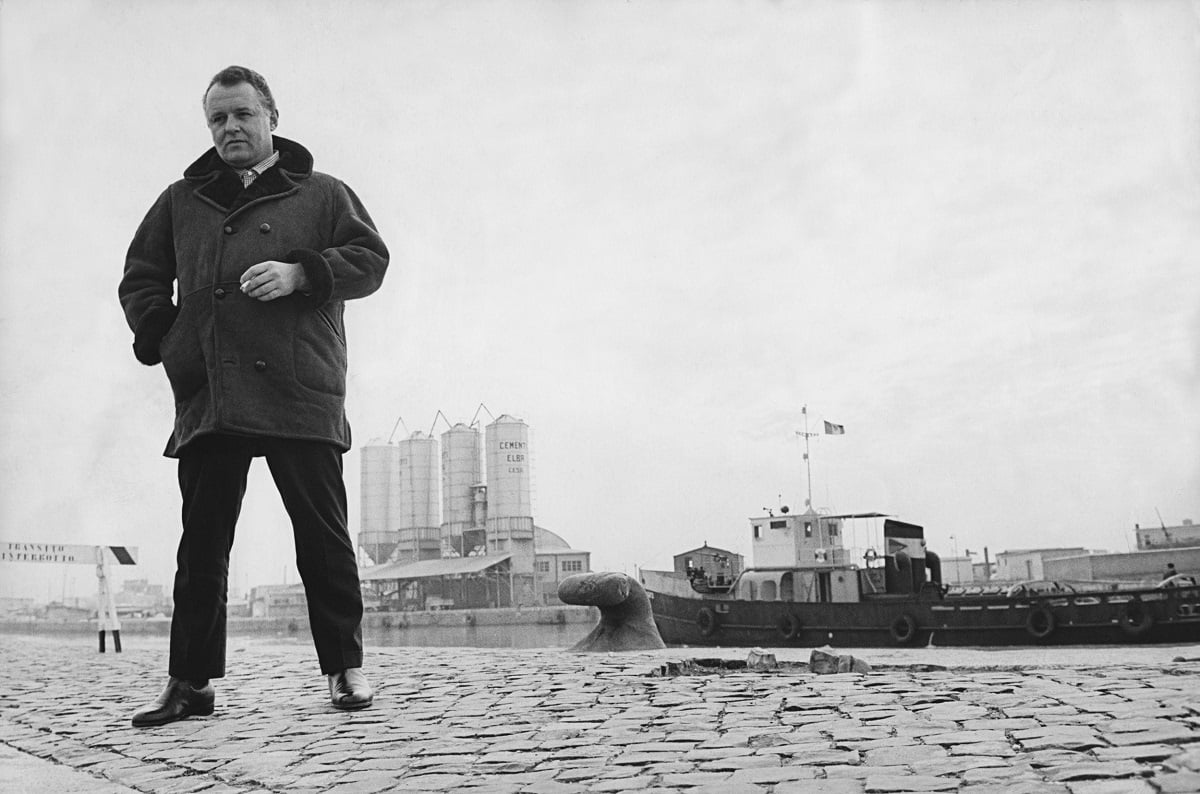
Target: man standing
262,252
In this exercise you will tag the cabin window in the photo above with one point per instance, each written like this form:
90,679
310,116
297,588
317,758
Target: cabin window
808,529
757,532
768,591
833,529
778,525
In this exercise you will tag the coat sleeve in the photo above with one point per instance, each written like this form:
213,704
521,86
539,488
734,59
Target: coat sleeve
354,265
148,284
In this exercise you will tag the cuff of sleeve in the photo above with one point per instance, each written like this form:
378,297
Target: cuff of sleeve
320,275
150,332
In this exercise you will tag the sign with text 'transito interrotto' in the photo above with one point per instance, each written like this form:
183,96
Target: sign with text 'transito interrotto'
57,552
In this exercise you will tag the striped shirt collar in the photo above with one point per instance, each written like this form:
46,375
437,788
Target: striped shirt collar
248,175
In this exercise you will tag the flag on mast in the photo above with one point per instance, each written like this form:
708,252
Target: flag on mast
834,430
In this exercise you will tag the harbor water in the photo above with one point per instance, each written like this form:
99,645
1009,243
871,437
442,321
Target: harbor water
563,636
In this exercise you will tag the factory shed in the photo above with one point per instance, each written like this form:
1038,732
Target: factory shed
446,583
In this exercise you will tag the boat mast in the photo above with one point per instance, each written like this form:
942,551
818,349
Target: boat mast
807,462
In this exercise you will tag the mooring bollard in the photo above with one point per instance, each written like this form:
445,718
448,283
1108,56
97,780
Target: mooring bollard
626,621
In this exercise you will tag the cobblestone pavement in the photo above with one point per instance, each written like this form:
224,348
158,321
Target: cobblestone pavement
547,721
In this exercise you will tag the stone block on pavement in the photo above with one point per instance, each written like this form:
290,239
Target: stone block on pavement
824,661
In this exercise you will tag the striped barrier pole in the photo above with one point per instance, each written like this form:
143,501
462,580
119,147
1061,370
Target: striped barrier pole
106,605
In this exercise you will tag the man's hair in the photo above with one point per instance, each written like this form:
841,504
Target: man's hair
233,75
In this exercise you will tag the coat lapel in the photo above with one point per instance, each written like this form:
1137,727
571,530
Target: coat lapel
217,184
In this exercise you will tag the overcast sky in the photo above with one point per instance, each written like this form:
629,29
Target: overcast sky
968,232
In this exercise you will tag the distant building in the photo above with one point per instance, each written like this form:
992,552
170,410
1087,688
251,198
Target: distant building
1164,537
958,570
1025,564
239,607
138,598
983,571
553,561
1142,567
278,601
142,587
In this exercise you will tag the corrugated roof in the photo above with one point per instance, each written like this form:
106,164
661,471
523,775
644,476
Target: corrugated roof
426,569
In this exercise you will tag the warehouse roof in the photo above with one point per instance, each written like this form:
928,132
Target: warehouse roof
429,569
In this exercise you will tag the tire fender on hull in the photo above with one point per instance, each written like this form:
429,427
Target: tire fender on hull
1135,618
1040,623
903,629
788,627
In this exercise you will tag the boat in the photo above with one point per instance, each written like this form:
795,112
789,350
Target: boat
897,598
807,588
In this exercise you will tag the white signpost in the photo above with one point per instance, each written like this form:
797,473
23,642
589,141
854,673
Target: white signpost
100,556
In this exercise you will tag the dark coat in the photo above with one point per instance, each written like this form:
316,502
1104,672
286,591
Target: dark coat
238,365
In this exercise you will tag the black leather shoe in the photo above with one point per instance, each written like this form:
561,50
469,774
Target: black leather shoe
178,700
349,689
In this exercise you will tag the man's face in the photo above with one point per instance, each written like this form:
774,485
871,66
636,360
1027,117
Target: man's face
239,123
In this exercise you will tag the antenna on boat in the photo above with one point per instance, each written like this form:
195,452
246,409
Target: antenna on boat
807,462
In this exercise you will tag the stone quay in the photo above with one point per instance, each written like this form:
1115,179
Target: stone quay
550,720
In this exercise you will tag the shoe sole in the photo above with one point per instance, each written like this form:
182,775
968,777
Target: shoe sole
352,706
203,711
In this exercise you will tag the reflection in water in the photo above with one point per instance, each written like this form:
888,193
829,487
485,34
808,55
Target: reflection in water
519,636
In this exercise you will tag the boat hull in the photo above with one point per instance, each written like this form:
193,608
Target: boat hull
1128,616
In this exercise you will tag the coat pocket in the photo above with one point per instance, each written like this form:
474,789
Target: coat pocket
182,355
320,354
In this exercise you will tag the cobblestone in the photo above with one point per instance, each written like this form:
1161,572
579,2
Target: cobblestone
493,721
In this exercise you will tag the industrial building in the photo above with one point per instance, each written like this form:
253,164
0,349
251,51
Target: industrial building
1020,565
1135,567
1186,535
466,538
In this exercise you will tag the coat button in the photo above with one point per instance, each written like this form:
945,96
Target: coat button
229,230
260,366
266,227
219,292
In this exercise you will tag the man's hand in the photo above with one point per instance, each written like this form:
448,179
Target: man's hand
267,281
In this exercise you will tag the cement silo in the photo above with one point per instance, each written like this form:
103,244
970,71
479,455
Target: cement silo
509,512
414,512
460,475
380,482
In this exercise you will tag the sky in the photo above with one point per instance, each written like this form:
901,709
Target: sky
655,232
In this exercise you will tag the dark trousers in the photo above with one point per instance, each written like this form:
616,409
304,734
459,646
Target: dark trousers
212,479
